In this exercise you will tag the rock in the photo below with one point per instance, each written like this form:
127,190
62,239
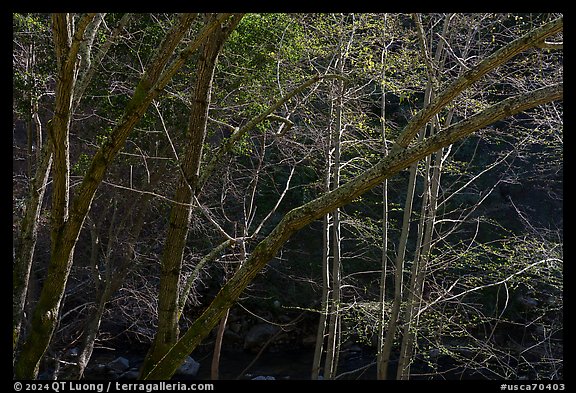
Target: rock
118,365
527,302
130,375
258,335
189,368
263,378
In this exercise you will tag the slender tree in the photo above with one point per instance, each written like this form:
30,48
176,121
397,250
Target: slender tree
253,166
67,40
67,226
171,263
381,360
401,156
337,105
39,166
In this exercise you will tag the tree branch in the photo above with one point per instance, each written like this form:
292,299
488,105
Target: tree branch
229,143
306,214
284,127
88,74
496,59
441,298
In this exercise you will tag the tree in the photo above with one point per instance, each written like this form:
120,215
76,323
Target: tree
428,207
67,43
402,155
67,222
30,77
168,310
240,173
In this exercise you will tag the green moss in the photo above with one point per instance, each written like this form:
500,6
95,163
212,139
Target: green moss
139,95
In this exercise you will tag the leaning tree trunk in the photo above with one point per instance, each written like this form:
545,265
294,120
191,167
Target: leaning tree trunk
64,237
299,217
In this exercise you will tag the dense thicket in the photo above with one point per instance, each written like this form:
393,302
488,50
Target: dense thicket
171,174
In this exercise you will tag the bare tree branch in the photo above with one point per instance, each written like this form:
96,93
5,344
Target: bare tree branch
496,59
304,215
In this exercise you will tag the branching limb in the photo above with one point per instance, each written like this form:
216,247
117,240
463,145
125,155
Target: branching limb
445,299
284,127
213,255
229,143
474,74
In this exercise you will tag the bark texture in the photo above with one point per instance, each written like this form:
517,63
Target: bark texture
171,260
68,218
317,208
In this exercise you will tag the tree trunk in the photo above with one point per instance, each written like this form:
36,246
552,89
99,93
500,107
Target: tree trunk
419,271
324,301
325,297
171,261
215,365
427,214
67,229
381,365
332,349
317,208
27,243
66,42
386,348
